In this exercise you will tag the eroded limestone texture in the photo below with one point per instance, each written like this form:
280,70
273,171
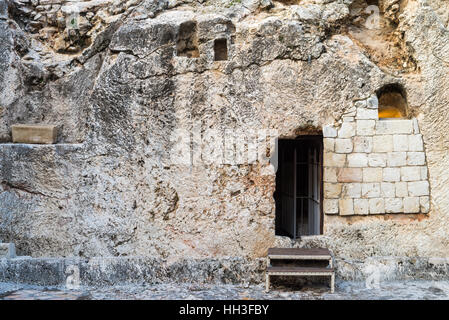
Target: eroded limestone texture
108,74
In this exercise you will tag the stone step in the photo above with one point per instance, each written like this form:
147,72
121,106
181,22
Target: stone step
295,254
300,271
7,250
299,254
39,134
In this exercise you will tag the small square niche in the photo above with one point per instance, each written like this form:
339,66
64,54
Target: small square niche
221,49
187,45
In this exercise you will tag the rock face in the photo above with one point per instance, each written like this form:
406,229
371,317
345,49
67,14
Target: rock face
150,96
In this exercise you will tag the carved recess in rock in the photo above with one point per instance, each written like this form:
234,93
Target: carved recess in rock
187,43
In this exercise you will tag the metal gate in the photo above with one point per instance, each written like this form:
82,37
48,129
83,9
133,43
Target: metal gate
299,187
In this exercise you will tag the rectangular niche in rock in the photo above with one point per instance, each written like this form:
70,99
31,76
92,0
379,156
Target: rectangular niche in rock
187,45
39,134
221,49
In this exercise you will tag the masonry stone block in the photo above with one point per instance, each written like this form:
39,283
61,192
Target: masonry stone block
402,126
366,114
372,174
396,159
329,131
383,143
372,102
416,158
371,190
34,134
334,159
401,189
360,104
411,205
357,160
330,206
365,127
351,112
346,207
415,143
329,144
391,174
329,174
424,173
375,166
361,206
351,190
424,204
387,190
376,206
343,145
377,159
349,175
394,205
363,144
347,130
332,190
415,126
418,188
410,174
400,142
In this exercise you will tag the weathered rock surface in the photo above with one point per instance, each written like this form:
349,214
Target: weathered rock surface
121,85
100,272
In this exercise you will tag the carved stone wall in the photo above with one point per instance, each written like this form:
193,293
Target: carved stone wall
374,166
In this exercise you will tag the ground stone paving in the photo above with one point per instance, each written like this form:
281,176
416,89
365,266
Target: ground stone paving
413,290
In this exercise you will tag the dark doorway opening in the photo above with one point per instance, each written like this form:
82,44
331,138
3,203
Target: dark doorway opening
299,186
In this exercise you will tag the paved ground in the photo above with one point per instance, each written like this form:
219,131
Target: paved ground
345,290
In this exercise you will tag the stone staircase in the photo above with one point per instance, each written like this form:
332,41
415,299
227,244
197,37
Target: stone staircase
7,250
284,262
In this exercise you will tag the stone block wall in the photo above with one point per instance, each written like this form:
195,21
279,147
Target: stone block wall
374,166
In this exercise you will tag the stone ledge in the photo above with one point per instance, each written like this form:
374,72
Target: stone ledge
41,146
393,268
103,272
100,272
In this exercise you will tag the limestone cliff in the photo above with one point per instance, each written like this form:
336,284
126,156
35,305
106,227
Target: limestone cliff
121,78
